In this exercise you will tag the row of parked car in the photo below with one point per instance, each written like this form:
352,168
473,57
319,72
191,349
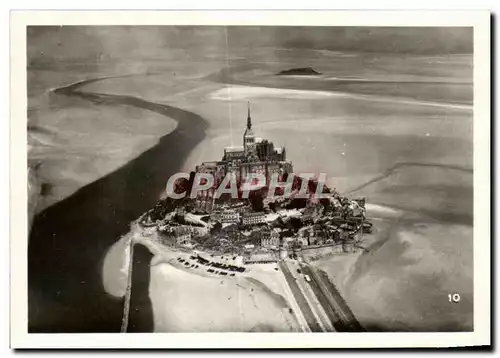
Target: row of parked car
217,265
186,263
222,273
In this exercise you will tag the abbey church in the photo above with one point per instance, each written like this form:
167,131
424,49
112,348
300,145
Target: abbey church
257,155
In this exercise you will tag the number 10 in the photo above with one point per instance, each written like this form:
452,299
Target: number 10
454,297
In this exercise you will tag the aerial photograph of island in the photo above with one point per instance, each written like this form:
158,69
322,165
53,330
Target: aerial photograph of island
250,179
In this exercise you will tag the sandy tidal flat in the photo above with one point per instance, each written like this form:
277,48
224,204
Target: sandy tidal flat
403,281
68,152
184,302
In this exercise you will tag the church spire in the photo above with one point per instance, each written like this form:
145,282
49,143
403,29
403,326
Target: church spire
249,119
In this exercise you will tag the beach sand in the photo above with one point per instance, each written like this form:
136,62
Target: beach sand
228,304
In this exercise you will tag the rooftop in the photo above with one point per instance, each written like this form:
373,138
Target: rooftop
234,149
253,214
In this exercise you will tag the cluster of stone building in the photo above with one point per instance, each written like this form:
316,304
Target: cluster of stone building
231,216
183,234
308,236
260,156
316,229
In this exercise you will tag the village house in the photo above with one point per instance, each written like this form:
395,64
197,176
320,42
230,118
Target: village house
253,218
271,239
230,217
183,239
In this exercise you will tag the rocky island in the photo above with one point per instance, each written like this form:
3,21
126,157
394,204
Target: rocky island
303,71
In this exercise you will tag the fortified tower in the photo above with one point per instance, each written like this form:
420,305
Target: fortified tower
257,156
249,137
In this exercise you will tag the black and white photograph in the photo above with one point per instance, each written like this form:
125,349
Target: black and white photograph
254,178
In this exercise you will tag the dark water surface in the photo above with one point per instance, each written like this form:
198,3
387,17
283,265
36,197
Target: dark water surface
141,311
69,240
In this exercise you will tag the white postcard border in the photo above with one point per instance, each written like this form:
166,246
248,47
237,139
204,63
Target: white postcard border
479,20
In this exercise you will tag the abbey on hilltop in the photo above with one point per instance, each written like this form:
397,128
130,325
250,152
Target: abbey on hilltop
257,155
